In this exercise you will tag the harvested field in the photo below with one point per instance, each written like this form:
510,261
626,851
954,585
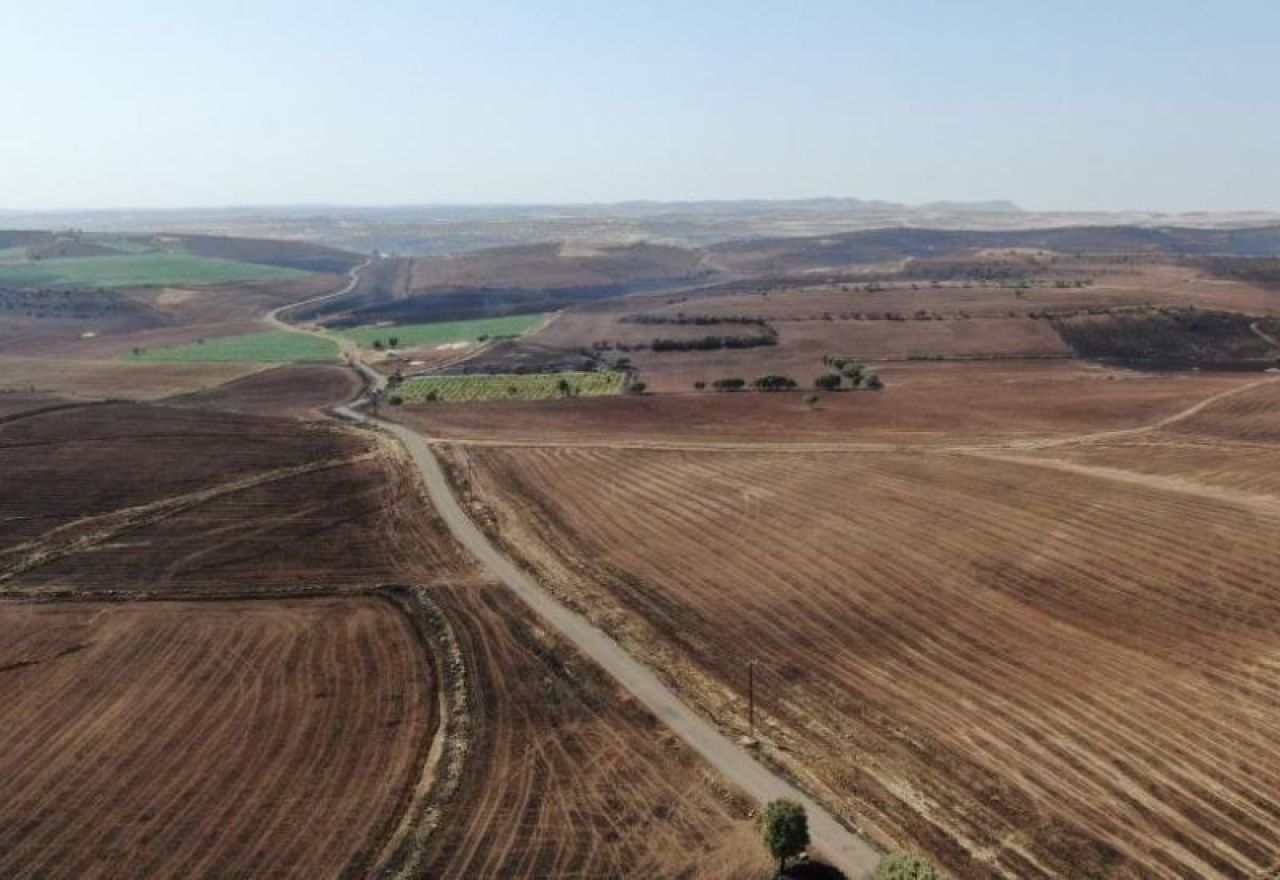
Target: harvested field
217,739
159,499
801,346
89,379
922,404
569,777
563,774
1113,285
1028,672
298,391
1233,443
16,403
256,348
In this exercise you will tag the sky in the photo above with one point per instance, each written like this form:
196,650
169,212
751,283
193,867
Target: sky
1126,104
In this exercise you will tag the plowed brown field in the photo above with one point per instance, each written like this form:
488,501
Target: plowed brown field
1231,444
923,404
230,738
1027,671
568,777
280,737
154,499
300,391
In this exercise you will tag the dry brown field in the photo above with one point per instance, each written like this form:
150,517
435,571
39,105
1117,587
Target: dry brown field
924,403
153,498
299,391
569,777
896,321
1024,668
1110,286
1232,444
561,773
229,738
97,380
801,346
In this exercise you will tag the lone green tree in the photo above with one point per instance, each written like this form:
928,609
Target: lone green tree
786,830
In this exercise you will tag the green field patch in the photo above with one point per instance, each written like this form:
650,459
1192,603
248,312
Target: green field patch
154,269
509,386
443,332
251,348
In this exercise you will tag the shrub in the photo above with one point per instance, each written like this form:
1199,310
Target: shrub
432,396
699,385
728,384
872,381
828,382
395,400
637,387
774,382
901,866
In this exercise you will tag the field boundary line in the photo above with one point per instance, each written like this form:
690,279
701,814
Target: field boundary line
441,773
1267,505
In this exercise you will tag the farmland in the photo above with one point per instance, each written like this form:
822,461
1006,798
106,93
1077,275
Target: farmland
1056,671
925,403
184,735
570,778
260,348
206,505
415,335
157,269
538,386
1014,611
250,547
292,390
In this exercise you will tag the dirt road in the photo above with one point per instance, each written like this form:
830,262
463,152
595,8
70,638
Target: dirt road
350,350
842,848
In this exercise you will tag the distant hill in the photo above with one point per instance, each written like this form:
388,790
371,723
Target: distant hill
507,280
787,254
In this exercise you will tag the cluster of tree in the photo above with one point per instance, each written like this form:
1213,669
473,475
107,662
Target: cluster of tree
858,374
699,320
700,343
392,342
713,343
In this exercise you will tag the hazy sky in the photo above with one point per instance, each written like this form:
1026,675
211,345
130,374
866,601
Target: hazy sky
1118,104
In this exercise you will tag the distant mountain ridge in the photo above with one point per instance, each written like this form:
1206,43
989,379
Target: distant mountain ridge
448,230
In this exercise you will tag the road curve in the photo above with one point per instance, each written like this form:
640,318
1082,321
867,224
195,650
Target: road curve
839,846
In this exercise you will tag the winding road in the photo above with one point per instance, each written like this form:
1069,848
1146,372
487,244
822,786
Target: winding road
833,841
839,846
